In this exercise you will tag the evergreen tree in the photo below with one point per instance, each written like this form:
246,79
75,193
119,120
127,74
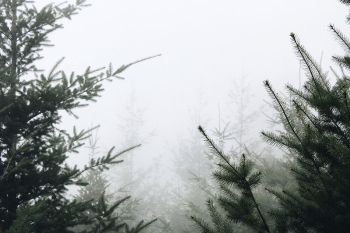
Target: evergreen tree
240,203
231,135
97,184
126,179
192,173
240,118
320,203
97,181
317,135
196,184
33,173
130,125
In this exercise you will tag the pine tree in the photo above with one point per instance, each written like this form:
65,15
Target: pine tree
97,184
191,180
240,117
96,192
240,204
96,179
227,137
231,139
317,135
33,173
320,203
128,181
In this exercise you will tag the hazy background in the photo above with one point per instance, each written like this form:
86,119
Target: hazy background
204,46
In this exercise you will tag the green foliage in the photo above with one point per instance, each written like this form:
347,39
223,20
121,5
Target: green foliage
221,224
320,202
192,183
139,227
28,215
33,173
104,213
25,31
316,123
128,180
104,216
239,203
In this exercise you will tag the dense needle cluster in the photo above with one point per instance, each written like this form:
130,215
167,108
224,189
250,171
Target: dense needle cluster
317,134
33,173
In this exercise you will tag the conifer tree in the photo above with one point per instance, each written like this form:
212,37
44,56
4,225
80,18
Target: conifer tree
97,184
317,135
129,181
240,118
97,181
191,179
231,136
320,202
33,173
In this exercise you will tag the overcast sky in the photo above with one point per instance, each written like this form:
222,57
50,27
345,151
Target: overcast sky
204,44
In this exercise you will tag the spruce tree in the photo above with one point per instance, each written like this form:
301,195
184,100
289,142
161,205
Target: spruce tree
320,203
33,173
317,136
191,179
96,187
240,117
128,180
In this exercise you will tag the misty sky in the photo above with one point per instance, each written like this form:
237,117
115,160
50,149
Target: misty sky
204,45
